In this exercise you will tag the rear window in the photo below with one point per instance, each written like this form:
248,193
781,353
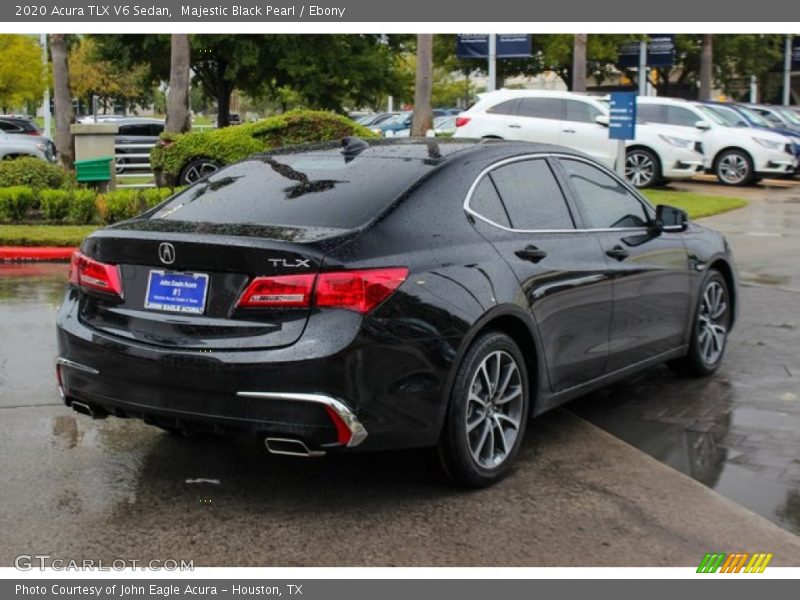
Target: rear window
323,189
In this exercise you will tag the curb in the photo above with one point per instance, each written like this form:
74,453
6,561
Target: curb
35,253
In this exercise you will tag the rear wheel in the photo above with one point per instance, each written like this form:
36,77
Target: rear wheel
642,168
710,331
735,167
488,412
197,169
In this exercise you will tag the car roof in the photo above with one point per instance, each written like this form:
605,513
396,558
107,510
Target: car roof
137,120
440,150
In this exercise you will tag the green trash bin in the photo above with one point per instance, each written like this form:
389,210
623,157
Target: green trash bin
94,169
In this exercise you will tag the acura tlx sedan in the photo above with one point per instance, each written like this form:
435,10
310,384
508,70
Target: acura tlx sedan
389,294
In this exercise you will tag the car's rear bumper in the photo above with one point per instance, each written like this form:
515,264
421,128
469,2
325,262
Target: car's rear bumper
350,392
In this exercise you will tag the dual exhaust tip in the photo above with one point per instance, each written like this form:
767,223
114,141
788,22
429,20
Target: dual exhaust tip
282,446
291,447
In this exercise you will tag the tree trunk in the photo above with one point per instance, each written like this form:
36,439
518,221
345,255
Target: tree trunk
62,97
579,63
423,114
706,67
178,118
224,104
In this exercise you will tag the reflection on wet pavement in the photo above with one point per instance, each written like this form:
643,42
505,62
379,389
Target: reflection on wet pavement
737,432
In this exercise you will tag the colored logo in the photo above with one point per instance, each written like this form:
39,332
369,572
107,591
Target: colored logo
738,562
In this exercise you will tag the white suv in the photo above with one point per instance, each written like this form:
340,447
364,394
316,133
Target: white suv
737,156
581,122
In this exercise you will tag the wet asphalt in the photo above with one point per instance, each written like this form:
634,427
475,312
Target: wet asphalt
725,448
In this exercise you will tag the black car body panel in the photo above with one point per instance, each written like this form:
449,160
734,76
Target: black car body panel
581,316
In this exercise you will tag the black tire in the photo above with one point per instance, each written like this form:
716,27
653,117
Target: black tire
496,451
197,169
642,168
735,168
697,362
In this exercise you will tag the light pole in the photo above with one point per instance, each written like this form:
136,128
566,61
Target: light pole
492,83
787,72
643,68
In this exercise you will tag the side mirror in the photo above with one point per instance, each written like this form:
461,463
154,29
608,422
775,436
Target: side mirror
704,125
602,120
670,219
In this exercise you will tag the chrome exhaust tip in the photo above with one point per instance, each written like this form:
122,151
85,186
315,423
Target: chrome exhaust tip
291,447
83,408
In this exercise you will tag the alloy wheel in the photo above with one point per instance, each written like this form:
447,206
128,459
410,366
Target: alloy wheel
640,169
733,169
712,323
494,409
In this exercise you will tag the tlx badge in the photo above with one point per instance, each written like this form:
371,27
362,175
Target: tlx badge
289,263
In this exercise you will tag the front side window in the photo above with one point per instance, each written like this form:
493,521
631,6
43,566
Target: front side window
581,112
683,117
605,202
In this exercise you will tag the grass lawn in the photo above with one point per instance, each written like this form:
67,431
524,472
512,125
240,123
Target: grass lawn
697,205
44,235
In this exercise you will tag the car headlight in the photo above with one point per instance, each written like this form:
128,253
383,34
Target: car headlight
771,144
677,142
378,131
42,147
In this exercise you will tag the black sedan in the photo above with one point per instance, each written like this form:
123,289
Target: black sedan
389,294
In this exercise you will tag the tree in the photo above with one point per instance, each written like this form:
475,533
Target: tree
62,97
423,113
93,75
579,63
706,67
178,119
23,77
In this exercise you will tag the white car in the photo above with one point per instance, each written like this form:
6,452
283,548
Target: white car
560,118
581,122
737,156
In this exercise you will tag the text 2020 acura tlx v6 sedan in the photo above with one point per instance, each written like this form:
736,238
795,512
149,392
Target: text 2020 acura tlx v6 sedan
390,294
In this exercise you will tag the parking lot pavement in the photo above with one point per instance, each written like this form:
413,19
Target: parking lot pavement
77,488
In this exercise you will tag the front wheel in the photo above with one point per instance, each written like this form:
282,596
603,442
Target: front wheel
713,320
642,168
488,412
735,167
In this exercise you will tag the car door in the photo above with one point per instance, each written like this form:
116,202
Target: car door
652,297
581,131
538,120
562,272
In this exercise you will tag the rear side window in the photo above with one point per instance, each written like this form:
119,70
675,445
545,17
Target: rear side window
509,107
581,112
10,127
605,202
320,189
531,195
541,108
486,202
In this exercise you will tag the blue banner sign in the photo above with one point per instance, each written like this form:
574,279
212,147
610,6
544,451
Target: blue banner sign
796,54
660,52
622,121
509,45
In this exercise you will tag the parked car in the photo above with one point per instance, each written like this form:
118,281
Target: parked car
401,122
735,155
375,119
581,122
15,146
442,126
18,124
737,115
548,117
780,117
135,137
185,158
389,294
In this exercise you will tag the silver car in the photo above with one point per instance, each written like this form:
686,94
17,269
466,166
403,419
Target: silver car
15,146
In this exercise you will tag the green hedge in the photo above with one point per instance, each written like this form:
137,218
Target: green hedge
230,144
15,202
76,206
33,173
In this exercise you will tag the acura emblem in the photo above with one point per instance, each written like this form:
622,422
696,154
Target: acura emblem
166,252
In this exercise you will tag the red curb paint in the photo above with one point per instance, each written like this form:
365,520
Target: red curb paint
26,253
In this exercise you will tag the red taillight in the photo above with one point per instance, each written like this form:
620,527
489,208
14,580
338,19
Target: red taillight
33,132
360,290
284,291
461,121
90,274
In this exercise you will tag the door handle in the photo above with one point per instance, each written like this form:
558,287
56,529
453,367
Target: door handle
569,131
531,253
515,126
618,252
